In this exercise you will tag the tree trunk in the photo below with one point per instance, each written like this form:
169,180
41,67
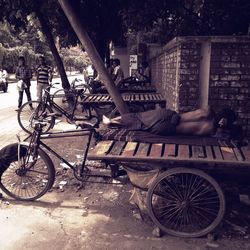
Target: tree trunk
94,56
47,33
101,46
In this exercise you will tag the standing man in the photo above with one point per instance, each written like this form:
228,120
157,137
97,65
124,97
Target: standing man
118,74
23,75
44,76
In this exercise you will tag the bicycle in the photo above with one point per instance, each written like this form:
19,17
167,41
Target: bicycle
31,173
63,101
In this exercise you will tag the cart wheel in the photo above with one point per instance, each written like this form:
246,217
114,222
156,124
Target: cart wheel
186,202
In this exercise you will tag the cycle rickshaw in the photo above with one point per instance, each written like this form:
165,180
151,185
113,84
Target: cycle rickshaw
185,195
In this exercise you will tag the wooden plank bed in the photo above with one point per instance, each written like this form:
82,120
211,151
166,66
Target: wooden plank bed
131,89
164,152
135,98
136,102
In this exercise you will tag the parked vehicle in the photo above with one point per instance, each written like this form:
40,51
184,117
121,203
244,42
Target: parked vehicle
3,80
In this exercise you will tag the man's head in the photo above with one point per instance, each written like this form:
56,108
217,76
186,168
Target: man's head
21,60
116,62
41,60
225,118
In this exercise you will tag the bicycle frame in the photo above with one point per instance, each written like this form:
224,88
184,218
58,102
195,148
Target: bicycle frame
47,99
64,134
36,143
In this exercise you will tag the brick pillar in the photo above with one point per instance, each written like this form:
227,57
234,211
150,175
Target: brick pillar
204,73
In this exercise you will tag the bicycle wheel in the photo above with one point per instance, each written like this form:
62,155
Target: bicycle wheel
33,111
32,179
186,202
66,99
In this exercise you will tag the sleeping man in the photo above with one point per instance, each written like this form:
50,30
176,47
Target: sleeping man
166,122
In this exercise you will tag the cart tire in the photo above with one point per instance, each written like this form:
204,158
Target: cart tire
186,202
30,181
27,116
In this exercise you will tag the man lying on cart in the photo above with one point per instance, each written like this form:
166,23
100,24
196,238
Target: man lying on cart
166,122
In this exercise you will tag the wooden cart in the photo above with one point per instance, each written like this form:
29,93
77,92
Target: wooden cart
186,199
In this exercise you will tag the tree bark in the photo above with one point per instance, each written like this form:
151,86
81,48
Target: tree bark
94,56
47,33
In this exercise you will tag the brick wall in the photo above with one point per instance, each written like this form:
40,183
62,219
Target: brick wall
230,79
188,76
176,73
164,68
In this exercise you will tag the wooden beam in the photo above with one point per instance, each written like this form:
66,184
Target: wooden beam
93,54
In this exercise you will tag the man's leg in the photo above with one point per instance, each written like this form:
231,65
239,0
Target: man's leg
110,121
39,89
27,91
20,98
126,120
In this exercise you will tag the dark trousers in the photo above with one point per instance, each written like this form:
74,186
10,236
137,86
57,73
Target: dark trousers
20,98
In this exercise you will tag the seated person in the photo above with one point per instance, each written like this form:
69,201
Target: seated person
166,122
143,74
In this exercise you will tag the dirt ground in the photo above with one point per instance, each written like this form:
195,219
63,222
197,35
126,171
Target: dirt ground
99,216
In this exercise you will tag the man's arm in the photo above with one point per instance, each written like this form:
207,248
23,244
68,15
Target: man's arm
17,73
115,74
37,73
29,73
5,74
50,74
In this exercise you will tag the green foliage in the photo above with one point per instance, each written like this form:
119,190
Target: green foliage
115,20
14,44
74,58
162,20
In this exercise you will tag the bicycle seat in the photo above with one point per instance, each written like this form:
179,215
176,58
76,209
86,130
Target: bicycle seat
91,123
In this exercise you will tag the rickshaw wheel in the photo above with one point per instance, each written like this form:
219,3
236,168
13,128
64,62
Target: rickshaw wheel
186,202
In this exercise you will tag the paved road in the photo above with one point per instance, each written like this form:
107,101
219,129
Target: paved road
8,116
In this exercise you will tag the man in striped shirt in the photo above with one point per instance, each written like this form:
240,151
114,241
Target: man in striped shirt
44,76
